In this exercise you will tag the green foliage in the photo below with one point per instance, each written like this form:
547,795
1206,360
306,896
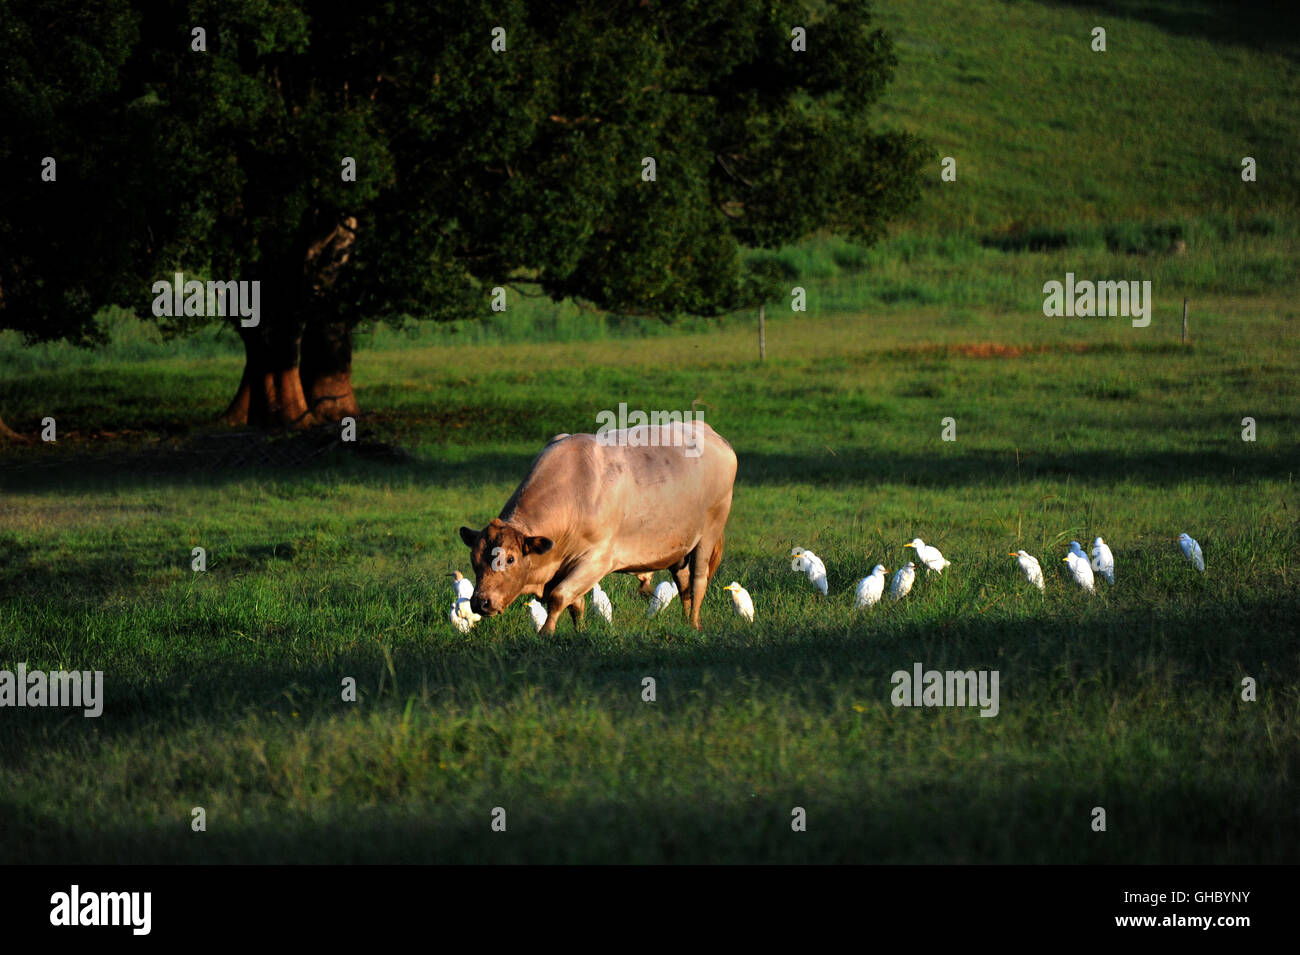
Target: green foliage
57,88
475,168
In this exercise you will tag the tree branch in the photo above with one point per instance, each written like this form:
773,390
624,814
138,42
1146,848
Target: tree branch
728,170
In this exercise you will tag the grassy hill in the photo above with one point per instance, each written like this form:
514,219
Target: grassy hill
1049,133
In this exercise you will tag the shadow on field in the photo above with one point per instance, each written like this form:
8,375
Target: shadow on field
947,467
26,574
91,576
1050,656
1027,821
1269,25
1053,665
208,460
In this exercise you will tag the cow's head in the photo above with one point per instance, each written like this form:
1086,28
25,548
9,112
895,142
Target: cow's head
501,556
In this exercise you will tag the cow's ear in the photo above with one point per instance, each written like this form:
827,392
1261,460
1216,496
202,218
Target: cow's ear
469,536
537,545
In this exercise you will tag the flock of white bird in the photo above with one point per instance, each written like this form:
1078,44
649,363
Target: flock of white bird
868,591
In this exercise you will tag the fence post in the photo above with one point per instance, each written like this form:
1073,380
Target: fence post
1184,321
762,333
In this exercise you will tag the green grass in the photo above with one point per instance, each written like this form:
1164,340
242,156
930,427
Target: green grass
223,688
1256,256
1047,132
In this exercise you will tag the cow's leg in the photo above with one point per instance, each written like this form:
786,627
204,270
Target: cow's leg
704,560
682,575
555,604
572,590
576,610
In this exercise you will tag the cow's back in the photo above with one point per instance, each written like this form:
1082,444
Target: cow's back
584,488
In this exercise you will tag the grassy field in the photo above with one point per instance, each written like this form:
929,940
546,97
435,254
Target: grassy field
223,688
324,562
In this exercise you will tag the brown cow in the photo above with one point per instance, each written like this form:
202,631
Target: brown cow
594,505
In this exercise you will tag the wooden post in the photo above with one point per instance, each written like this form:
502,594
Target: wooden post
762,333
1184,321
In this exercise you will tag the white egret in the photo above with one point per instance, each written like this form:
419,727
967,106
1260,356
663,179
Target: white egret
1103,561
464,588
1029,564
903,581
1192,551
537,612
805,561
928,555
870,588
461,616
662,596
740,601
1080,570
600,600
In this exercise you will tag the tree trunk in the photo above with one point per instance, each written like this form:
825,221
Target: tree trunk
326,370
298,361
270,391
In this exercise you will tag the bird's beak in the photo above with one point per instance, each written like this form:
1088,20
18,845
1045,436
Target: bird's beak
908,544
1065,560
1012,554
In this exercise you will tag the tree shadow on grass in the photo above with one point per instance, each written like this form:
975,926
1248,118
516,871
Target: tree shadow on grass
1026,820
383,466
1048,656
91,575
1049,662
1272,26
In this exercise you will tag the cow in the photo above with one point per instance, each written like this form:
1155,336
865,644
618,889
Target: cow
636,500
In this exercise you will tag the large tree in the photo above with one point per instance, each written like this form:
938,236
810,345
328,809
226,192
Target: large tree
476,166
